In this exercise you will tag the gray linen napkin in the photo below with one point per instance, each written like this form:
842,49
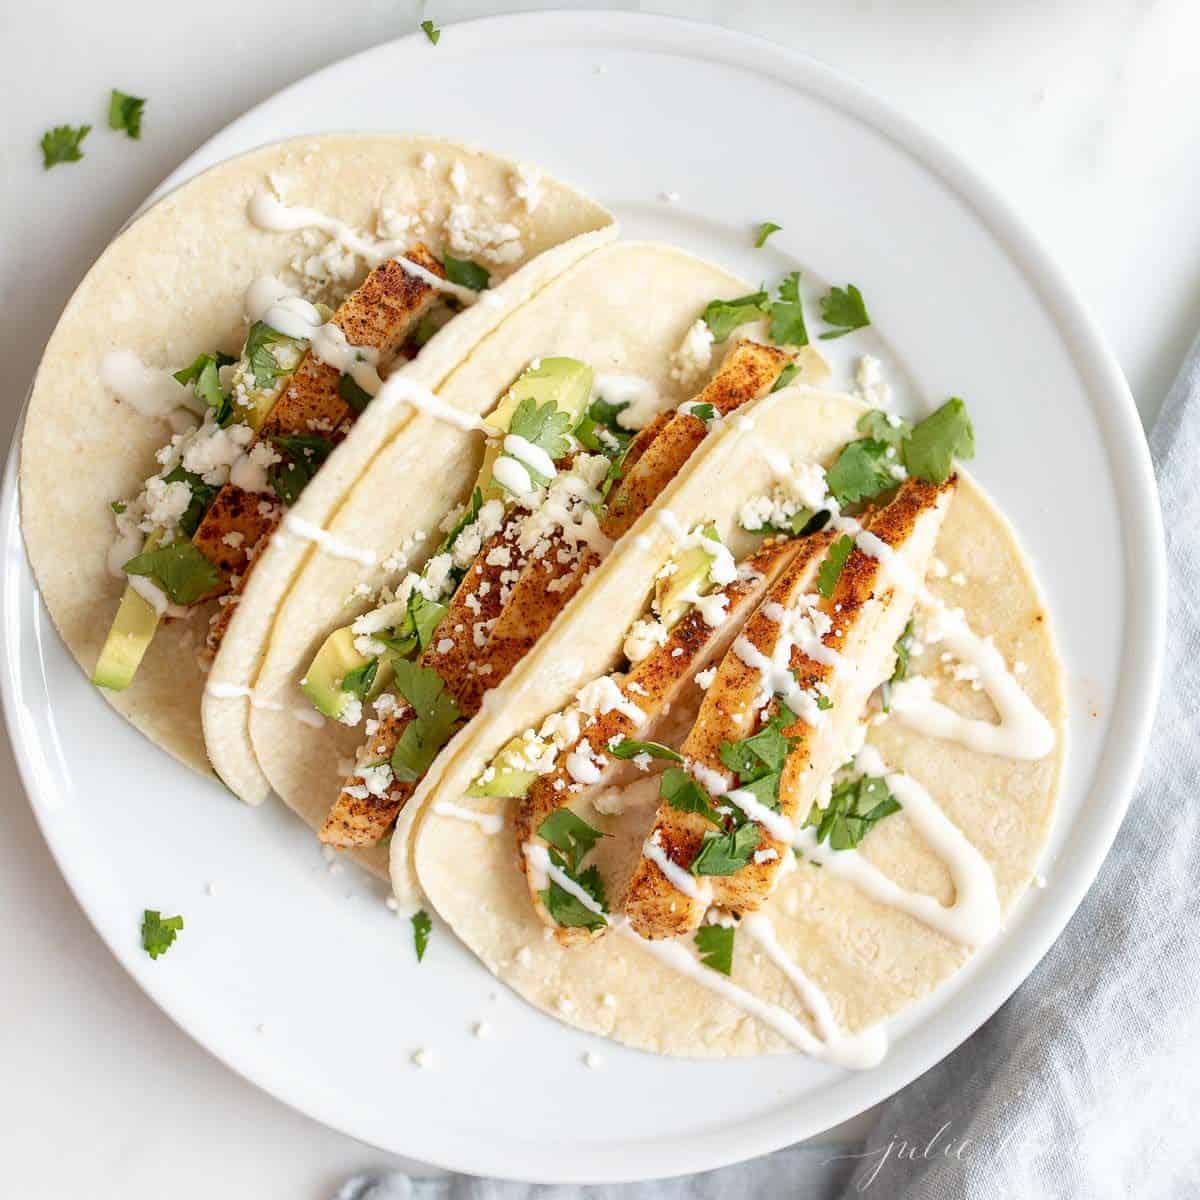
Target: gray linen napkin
1087,1082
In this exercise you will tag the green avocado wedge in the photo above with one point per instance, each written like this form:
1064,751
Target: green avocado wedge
129,638
339,674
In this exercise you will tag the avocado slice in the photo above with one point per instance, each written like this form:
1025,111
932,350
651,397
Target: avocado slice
565,382
337,657
508,779
129,638
691,571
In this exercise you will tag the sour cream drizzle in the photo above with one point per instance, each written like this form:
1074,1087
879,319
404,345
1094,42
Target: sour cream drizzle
270,213
489,823
234,691
543,868
531,456
681,880
330,543
150,391
401,390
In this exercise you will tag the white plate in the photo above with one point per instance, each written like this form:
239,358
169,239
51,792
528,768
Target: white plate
628,107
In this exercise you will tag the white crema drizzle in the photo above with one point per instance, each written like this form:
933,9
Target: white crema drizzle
489,823
329,543
270,213
150,391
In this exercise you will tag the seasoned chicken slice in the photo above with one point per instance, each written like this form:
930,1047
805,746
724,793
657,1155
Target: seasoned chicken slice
634,704
380,314
800,647
748,372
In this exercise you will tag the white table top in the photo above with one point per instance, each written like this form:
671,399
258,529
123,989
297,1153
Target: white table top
1079,113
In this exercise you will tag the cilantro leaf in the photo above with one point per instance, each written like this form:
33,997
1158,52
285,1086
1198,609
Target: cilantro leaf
203,495
545,427
422,926
125,112
628,748
421,619
569,911
682,792
767,750
702,412
432,32
715,943
571,835
900,672
724,316
303,455
765,789
467,517
855,808
435,715
263,365
182,572
764,231
599,430
787,314
359,681
158,934
118,506
355,396
726,853
860,472
61,145
785,377
883,427
465,273
831,569
845,309
935,443
204,376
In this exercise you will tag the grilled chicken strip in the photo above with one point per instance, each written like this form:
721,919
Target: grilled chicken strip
650,686
748,372
380,314
844,643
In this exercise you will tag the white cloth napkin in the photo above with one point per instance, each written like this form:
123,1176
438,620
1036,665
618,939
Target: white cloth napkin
1087,1082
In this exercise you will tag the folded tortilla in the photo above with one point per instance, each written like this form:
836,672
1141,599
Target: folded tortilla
173,285
869,959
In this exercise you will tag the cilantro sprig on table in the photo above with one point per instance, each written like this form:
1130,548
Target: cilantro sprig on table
62,144
785,313
431,31
159,932
125,112
845,309
422,926
764,231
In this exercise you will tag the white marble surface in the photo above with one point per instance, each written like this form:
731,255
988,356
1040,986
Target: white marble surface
1081,112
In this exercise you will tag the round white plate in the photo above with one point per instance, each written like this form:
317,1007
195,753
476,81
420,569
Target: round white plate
299,977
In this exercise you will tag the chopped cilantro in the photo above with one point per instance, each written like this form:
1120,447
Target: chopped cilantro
883,427
569,911
360,681
715,943
204,376
467,517
118,506
703,412
861,471
628,748
724,316
599,430
435,716
786,376
61,145
355,396
545,427
855,808
263,365
758,760
203,495
422,926
432,32
571,835
803,521
465,273
125,112
900,672
182,572
787,314
416,631
824,703
683,793
726,853
937,441
831,569
844,309
159,933
764,231
304,453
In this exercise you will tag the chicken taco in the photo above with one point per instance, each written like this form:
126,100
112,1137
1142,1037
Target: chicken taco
206,399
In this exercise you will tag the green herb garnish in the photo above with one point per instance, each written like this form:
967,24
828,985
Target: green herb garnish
683,793
861,471
715,943
545,427
884,427
432,32
61,145
726,853
422,926
900,672
764,231
182,572
831,569
844,308
203,495
125,112
262,364
355,396
465,273
304,454
785,377
468,516
435,716
571,835
934,444
855,808
118,506
724,316
360,680
628,748
158,933
599,430
567,910
787,313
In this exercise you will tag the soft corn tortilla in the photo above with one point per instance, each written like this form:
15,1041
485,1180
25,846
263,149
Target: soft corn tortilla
870,960
622,309
172,286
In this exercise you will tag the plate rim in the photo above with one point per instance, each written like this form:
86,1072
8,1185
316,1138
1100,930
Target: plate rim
1144,557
